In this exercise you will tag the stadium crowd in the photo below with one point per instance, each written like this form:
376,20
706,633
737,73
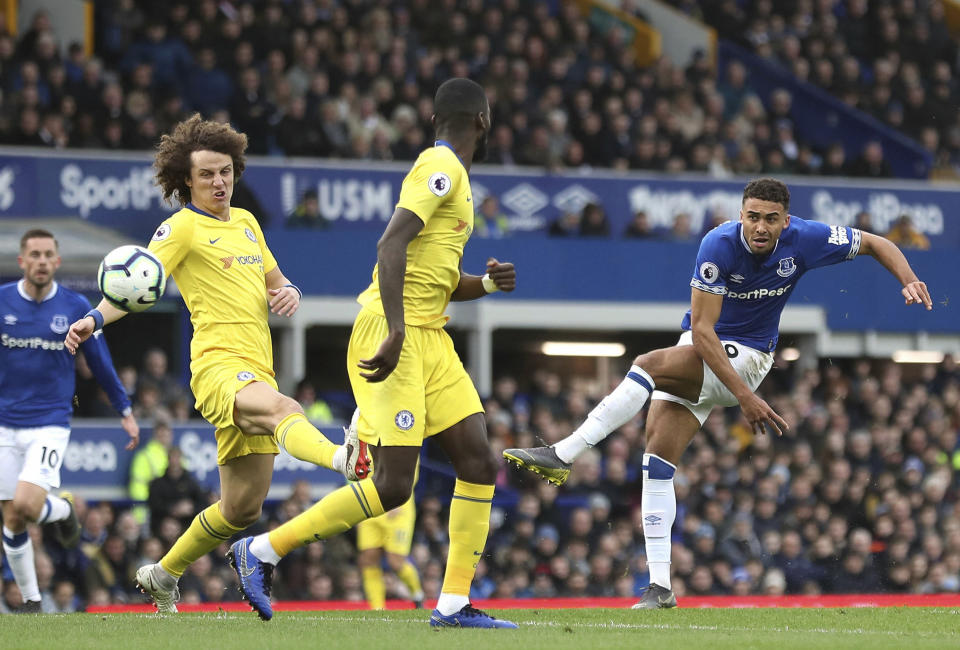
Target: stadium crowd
354,79
860,495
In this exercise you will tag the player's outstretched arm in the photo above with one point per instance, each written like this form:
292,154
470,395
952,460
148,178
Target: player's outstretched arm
81,330
886,252
501,276
704,312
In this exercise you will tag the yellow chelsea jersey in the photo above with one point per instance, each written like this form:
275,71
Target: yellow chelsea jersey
437,190
219,267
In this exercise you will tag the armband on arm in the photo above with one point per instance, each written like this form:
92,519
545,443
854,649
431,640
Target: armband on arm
295,288
97,318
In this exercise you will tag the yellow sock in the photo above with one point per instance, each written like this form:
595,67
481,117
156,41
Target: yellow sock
374,588
409,576
302,440
207,531
469,524
338,511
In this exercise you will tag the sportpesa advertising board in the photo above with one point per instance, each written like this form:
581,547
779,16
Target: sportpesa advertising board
118,192
97,466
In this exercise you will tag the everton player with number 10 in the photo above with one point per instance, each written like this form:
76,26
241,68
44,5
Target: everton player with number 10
744,274
36,391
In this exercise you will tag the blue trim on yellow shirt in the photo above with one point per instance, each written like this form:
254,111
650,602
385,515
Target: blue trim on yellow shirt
191,206
444,143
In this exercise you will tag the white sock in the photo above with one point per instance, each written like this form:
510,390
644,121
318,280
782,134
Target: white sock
340,460
449,604
615,410
263,549
54,509
658,511
166,580
19,551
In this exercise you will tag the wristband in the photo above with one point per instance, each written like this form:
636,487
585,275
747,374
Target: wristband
488,284
97,318
127,411
296,288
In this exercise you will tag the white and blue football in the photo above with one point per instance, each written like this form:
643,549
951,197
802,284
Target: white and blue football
131,278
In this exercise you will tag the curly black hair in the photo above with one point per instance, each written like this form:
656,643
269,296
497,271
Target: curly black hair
172,161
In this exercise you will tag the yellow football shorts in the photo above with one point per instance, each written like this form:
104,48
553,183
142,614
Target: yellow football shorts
216,379
427,393
392,531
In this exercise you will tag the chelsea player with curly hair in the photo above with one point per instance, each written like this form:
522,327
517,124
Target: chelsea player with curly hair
230,283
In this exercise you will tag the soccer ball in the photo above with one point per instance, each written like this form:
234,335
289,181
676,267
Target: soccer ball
131,278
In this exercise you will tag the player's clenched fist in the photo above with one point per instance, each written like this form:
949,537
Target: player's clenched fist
79,332
503,274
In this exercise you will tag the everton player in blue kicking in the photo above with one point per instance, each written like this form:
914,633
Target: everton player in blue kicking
744,274
36,393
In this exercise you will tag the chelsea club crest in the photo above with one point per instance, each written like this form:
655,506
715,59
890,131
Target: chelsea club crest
787,267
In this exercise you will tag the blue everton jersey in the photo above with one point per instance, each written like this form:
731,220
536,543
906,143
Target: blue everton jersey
37,376
755,288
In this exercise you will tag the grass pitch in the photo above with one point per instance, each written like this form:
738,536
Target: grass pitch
580,629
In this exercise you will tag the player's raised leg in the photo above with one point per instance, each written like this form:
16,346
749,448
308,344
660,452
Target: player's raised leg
677,370
261,410
253,558
468,448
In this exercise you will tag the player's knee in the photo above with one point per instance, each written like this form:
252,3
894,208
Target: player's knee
368,557
651,362
395,562
241,515
283,406
393,490
480,468
25,512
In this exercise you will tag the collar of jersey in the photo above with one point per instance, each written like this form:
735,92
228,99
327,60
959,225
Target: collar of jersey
26,296
747,246
191,206
444,143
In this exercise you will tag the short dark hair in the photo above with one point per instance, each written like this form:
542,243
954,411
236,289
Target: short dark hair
37,233
768,189
457,102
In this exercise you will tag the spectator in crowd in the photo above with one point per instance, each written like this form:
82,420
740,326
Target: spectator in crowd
566,225
156,376
682,229
489,220
639,227
148,463
281,71
593,221
176,494
863,222
871,163
307,213
905,234
316,410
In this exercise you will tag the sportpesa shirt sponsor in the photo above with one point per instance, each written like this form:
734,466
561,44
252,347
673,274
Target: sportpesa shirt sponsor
755,288
37,378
